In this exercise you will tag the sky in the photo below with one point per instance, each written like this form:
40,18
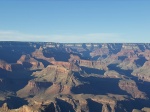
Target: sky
75,21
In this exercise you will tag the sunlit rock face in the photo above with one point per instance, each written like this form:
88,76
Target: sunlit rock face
75,77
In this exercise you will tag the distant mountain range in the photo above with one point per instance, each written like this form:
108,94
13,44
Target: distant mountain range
74,77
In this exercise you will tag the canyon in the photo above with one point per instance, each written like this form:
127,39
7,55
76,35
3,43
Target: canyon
74,77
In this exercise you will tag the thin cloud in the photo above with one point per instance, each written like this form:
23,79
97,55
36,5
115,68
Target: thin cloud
90,38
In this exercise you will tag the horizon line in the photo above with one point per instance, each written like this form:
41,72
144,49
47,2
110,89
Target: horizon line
78,42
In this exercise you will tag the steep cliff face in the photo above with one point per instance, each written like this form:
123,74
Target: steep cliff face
28,62
5,66
130,87
100,52
145,109
112,74
143,72
53,73
33,88
93,64
54,79
66,65
145,54
38,54
78,103
24,108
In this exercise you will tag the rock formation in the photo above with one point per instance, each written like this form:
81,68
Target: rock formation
75,77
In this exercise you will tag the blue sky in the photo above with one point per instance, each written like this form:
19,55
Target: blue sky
75,20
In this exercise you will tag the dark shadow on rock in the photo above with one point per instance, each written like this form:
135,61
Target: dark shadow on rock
1,103
4,73
95,58
83,55
140,61
119,70
65,106
15,102
144,87
142,48
15,80
122,57
27,65
45,63
16,67
135,104
58,54
109,108
86,55
49,108
12,51
114,48
92,70
98,86
94,106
